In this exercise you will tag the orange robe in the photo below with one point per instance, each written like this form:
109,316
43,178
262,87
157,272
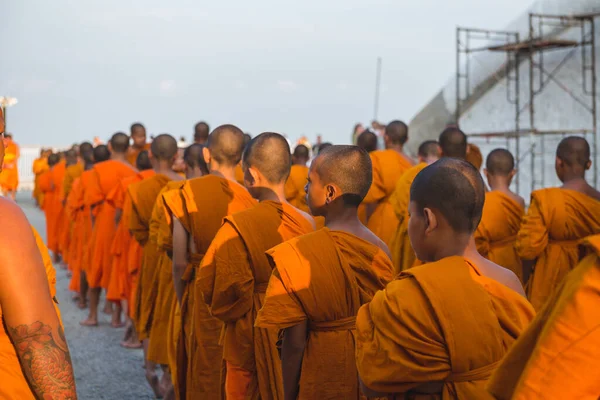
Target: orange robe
497,232
118,286
556,220
84,223
233,279
9,177
201,206
51,185
239,174
159,346
74,207
557,356
403,255
295,193
14,385
419,331
323,278
474,156
388,167
133,153
66,225
40,165
143,196
107,175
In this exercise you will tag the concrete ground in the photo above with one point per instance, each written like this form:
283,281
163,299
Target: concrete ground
103,369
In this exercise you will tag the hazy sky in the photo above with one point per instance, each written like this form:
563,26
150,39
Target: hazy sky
86,68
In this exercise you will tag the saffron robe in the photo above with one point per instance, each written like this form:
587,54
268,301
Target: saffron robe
51,185
9,177
133,153
40,165
474,156
74,207
72,172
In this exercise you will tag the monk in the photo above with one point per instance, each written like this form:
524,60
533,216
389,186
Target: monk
106,176
52,204
201,131
557,356
474,156
557,219
195,214
234,274
440,329
163,153
321,279
40,165
117,291
502,213
388,167
138,137
74,169
367,141
294,187
239,173
403,256
9,177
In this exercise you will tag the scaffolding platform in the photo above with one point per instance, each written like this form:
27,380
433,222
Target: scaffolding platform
535,45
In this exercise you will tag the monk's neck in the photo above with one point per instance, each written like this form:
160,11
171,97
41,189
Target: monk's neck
224,172
430,160
343,218
194,173
164,168
118,157
459,246
396,147
574,181
273,193
499,183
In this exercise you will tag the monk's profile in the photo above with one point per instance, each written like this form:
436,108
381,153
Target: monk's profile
321,279
201,131
418,337
237,259
294,186
497,232
557,219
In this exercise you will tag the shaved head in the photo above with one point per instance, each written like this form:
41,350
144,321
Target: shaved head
453,143
85,147
500,162
349,167
367,141
71,157
429,149
101,153
574,151
142,162
247,139
201,131
455,189
301,153
53,159
226,144
396,132
164,147
194,158
269,153
119,142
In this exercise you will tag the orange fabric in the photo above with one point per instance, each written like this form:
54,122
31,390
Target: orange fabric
323,278
239,174
474,156
497,232
232,280
118,286
403,255
201,205
9,177
388,167
72,172
143,197
556,220
294,187
14,385
158,347
557,356
107,175
133,153
40,165
74,207
51,185
419,331
84,223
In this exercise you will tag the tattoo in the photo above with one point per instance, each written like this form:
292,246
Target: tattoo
45,360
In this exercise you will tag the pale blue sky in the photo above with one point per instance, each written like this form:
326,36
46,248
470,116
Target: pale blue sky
90,68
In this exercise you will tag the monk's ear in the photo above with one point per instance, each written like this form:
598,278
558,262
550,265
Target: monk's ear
431,221
253,175
206,155
512,174
588,165
331,192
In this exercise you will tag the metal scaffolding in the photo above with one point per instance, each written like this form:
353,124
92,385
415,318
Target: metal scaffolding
543,37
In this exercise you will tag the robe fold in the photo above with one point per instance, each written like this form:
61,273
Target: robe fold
72,172
497,232
200,207
51,185
388,167
418,331
233,279
133,153
9,176
40,165
143,197
403,255
74,207
324,277
557,356
555,222
107,175
84,222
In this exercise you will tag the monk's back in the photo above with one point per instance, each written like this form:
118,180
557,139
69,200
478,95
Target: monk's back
109,173
294,187
389,165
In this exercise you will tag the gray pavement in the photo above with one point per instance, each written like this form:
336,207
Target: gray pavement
103,369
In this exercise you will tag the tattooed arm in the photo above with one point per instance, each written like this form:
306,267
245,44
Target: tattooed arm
28,310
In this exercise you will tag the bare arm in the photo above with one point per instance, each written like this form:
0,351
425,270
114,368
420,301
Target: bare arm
292,353
28,310
180,256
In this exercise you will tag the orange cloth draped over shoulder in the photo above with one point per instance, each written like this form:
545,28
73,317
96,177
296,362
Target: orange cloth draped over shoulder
557,356
143,197
200,207
51,185
555,222
72,172
9,177
159,345
418,332
388,167
40,165
295,193
118,286
239,174
497,232
133,153
14,385
323,278
107,175
233,279
403,255
84,223
74,207
474,156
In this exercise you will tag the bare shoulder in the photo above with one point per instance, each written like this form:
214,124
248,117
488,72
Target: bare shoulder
373,239
13,219
518,199
501,275
308,217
